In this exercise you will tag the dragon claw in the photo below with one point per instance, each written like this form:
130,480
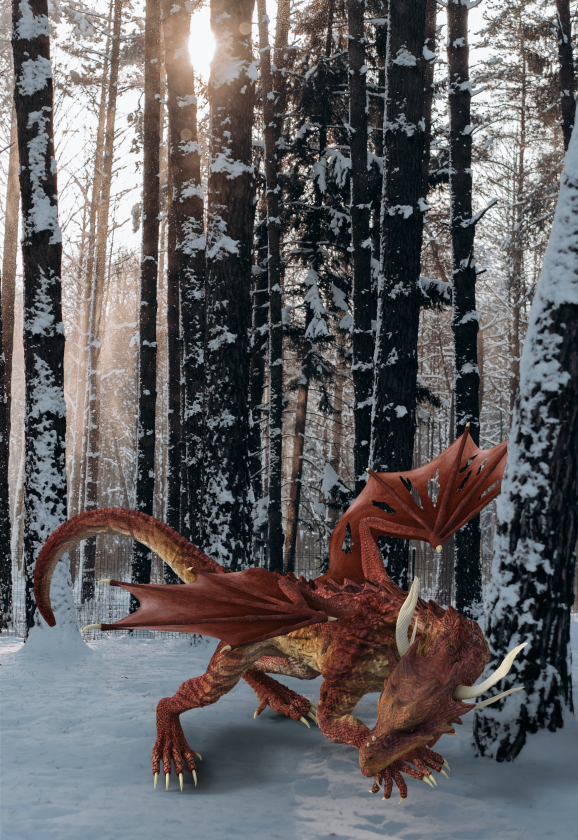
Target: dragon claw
156,780
402,799
167,776
195,777
445,774
312,716
199,756
446,764
256,713
432,779
427,781
181,781
304,721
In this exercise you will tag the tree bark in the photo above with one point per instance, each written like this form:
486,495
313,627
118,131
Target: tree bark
293,506
270,126
96,306
187,268
567,75
465,319
9,259
531,593
399,296
45,408
5,553
147,376
362,335
231,208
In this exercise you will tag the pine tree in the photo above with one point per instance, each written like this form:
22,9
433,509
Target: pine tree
231,208
147,375
45,409
465,319
531,592
399,295
362,332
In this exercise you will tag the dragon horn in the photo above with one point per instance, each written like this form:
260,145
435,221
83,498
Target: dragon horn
177,552
466,692
404,619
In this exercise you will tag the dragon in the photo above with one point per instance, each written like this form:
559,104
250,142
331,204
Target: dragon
351,625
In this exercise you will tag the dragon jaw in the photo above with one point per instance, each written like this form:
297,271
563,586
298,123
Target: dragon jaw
422,697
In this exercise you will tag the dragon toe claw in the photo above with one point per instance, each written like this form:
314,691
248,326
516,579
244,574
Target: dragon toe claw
167,776
195,777
156,780
304,721
181,781
444,773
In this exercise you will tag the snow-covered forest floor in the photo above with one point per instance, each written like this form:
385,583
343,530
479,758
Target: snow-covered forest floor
78,726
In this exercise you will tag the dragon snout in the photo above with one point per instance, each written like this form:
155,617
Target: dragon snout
380,751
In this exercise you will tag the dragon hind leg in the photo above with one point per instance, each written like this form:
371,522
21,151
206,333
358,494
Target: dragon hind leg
278,697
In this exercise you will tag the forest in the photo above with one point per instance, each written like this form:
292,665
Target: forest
251,249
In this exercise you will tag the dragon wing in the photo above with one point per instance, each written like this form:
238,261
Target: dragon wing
240,607
430,503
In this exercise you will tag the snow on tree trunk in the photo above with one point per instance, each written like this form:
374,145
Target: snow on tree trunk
45,409
362,335
563,26
147,369
186,264
5,553
465,319
270,132
227,499
531,591
9,259
399,295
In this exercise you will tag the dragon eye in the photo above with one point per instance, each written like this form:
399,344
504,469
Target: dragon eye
407,731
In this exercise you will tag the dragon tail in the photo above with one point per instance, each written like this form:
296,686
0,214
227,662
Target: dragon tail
176,551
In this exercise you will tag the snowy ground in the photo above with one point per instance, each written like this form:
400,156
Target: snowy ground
78,726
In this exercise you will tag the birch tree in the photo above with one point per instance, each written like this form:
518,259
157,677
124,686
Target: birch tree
531,591
227,499
45,410
5,553
9,258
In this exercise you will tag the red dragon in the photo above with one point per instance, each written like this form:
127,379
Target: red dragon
350,626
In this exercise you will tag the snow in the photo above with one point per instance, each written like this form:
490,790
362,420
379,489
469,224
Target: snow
78,726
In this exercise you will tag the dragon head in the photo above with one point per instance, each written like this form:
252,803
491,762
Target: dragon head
428,679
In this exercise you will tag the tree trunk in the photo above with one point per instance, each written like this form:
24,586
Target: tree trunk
147,377
9,259
362,336
270,125
516,278
399,296
429,55
45,408
567,75
96,304
79,491
303,388
186,277
231,209
465,320
5,553
531,592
